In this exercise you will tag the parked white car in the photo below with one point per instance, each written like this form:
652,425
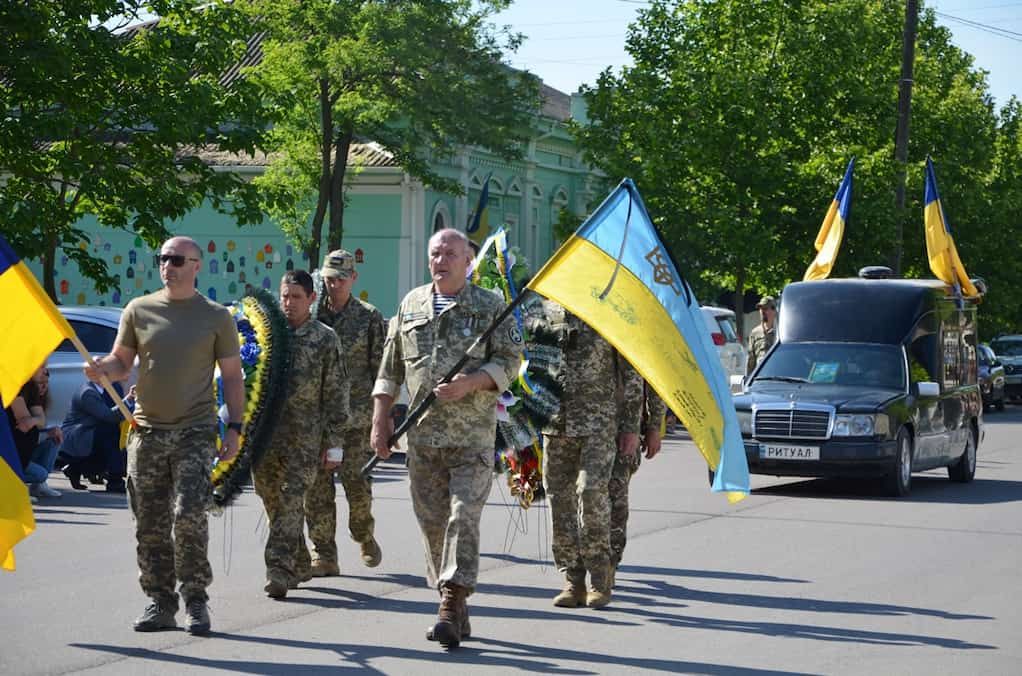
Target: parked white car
96,328
723,328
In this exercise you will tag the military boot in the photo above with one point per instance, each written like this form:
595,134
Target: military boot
599,588
157,616
371,553
574,593
466,625
447,629
276,584
324,568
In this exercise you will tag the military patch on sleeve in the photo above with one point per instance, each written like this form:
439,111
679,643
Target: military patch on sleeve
515,335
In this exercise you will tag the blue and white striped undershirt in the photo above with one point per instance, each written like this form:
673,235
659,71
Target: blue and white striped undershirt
442,301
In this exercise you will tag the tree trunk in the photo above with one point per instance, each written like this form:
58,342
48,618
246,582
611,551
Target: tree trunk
326,146
739,301
336,233
49,265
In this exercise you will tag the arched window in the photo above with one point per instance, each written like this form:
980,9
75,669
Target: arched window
441,216
514,188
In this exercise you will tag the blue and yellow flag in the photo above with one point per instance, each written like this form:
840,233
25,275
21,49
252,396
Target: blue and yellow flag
479,229
16,518
940,245
616,274
828,241
30,328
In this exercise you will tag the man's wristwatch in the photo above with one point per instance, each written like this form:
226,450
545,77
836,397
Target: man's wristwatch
236,426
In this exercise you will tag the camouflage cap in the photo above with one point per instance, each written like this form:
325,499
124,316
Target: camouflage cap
339,263
767,301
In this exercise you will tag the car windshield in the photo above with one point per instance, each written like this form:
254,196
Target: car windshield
853,364
1007,348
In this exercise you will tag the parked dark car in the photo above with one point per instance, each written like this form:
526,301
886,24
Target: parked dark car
1009,352
871,377
991,378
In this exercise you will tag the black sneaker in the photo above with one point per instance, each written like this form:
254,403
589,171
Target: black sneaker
198,618
156,618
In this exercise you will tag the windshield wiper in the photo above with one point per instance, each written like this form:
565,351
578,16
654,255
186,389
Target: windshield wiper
784,379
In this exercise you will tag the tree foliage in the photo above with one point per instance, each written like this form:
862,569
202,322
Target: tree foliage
106,121
418,78
737,119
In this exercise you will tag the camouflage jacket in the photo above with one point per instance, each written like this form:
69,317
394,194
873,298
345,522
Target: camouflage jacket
761,339
422,347
602,392
653,409
360,327
315,410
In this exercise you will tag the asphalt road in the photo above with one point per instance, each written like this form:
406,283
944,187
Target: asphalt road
803,577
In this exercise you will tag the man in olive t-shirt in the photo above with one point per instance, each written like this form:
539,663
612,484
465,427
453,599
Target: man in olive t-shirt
178,336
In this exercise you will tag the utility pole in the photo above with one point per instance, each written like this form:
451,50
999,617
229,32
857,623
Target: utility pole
908,53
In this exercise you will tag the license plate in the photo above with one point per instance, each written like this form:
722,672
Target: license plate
788,452
1013,380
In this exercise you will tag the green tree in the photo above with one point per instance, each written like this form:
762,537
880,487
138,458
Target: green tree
418,78
105,119
737,119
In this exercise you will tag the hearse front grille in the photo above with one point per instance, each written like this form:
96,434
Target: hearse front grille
792,423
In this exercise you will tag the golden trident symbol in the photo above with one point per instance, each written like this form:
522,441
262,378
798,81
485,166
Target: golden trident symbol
662,270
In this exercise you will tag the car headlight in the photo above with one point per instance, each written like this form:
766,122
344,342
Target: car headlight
745,422
860,425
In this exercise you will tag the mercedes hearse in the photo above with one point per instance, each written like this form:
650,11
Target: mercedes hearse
869,377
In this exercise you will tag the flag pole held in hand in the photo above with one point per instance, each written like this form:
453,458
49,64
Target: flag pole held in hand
417,412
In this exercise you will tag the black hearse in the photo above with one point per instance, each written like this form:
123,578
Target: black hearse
872,377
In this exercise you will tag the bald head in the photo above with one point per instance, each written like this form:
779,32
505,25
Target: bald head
451,235
185,245
180,260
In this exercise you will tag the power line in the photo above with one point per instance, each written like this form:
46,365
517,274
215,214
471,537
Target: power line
993,30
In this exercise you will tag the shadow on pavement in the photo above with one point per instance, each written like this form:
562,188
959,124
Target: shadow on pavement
478,652
655,570
930,488
649,592
330,597
803,631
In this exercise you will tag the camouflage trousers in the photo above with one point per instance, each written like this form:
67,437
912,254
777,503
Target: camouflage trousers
621,475
321,504
282,478
576,476
449,488
169,491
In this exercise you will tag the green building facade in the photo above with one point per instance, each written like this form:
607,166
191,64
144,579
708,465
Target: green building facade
387,222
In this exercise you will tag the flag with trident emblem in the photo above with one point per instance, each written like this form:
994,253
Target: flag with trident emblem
616,274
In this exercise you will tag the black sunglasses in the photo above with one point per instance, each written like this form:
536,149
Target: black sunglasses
175,259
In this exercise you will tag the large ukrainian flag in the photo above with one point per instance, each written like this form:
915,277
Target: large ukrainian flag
616,274
30,328
940,245
16,518
828,241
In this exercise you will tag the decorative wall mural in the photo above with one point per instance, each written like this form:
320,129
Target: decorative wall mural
226,271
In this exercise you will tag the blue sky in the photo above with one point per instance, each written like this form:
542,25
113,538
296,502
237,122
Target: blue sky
571,41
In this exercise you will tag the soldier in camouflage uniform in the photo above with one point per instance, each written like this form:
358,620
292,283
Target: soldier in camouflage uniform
178,336
450,449
763,335
315,412
360,327
581,442
653,411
